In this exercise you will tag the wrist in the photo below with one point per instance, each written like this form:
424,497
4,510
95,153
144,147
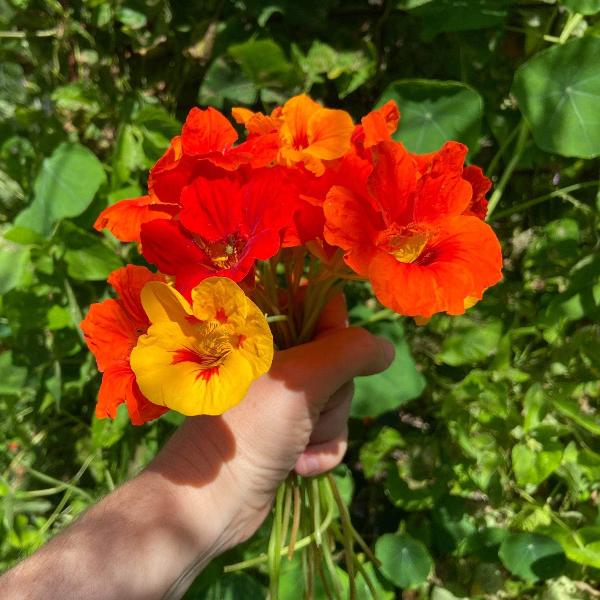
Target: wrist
200,469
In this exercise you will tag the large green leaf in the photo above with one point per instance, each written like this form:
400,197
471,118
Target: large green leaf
558,91
393,388
532,556
64,187
14,261
223,82
433,112
87,256
264,63
404,560
438,16
585,7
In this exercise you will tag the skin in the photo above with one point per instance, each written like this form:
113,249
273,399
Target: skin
213,483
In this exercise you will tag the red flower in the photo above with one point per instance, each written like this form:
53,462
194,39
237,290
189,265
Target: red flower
111,329
205,148
224,226
409,232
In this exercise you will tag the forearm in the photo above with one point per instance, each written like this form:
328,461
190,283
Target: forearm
150,536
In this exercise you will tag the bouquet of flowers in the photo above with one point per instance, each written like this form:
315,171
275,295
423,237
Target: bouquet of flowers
251,240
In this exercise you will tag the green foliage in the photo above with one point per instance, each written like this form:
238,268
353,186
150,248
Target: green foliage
474,463
558,90
435,111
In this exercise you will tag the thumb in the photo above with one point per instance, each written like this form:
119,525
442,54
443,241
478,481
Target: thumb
322,366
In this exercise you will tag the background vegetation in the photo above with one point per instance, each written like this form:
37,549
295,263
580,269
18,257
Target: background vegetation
474,465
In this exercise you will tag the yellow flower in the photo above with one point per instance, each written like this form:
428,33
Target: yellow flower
201,359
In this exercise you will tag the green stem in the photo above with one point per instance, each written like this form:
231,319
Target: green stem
500,153
346,536
274,550
262,558
569,27
508,172
560,193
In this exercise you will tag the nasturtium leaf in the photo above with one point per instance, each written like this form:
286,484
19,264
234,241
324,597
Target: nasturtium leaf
433,112
264,63
532,556
393,388
585,7
439,593
581,546
404,560
558,91
231,586
14,260
12,377
373,453
534,462
90,259
470,343
292,584
438,16
483,544
224,82
64,187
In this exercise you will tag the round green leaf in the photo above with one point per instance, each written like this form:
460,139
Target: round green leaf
533,463
404,560
531,556
558,91
396,386
433,112
64,187
585,7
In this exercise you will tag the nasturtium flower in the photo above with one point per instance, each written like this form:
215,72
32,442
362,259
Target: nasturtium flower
301,132
111,329
201,357
205,148
412,233
224,226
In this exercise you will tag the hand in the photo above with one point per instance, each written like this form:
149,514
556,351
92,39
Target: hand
293,417
213,483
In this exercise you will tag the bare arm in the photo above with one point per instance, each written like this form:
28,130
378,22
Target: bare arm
212,485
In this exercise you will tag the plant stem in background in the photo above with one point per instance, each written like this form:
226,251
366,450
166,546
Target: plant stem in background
521,142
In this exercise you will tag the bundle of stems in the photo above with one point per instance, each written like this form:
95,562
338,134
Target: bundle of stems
310,516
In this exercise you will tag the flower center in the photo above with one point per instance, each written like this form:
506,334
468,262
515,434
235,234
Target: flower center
224,253
208,351
405,244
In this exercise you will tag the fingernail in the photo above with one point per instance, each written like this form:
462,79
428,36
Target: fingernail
311,464
387,348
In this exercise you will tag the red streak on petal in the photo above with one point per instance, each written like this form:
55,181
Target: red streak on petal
221,316
205,362
241,340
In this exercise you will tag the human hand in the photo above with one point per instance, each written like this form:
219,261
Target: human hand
295,416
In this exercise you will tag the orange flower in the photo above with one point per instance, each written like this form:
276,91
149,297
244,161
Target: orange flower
377,126
305,133
409,232
111,330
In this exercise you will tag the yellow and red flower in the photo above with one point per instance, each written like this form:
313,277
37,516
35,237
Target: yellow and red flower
201,357
111,330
